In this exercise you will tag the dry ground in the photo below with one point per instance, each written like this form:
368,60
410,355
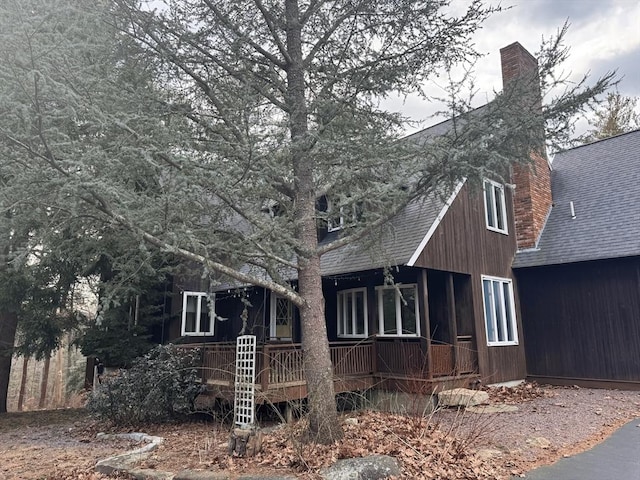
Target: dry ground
450,444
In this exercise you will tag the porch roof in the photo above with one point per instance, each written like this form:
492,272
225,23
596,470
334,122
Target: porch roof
396,243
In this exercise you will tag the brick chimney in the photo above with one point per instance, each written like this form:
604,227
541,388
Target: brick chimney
532,197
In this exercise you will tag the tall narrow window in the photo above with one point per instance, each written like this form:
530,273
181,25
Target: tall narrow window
499,311
398,310
495,206
196,317
281,324
352,313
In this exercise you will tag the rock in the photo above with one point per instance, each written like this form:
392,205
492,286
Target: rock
262,477
149,474
196,475
122,462
492,408
462,397
373,467
351,421
489,453
539,442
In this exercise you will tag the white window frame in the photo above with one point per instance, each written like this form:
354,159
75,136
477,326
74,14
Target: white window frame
502,315
210,298
347,216
272,317
398,302
492,215
341,316
332,226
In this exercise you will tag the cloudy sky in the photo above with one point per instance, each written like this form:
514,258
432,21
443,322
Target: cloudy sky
603,35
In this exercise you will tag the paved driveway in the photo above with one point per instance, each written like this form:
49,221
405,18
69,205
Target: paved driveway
618,457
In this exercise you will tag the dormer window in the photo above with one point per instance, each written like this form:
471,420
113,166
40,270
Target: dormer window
495,207
341,217
335,220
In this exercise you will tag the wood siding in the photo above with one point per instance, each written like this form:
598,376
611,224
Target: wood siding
582,321
462,243
460,251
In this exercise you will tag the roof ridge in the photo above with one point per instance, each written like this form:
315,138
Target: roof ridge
636,130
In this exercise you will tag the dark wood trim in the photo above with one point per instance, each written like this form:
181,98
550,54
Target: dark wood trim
425,324
453,322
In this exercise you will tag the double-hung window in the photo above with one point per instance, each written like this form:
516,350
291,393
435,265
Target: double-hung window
352,313
197,319
495,206
398,310
499,311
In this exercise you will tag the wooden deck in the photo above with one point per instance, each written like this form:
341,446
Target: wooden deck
358,366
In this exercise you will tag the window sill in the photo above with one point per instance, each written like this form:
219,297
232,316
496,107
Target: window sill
502,344
497,230
398,335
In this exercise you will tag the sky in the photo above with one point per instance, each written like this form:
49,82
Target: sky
604,35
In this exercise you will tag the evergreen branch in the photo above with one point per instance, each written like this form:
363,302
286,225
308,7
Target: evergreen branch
271,22
224,20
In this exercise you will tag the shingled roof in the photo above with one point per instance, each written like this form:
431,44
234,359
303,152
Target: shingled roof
405,234
602,179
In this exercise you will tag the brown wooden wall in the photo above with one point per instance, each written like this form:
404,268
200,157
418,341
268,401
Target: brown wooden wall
462,243
228,306
582,321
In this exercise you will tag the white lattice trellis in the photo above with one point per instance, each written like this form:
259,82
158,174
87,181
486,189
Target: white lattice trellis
245,381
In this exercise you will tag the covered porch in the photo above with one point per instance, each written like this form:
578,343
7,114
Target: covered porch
407,365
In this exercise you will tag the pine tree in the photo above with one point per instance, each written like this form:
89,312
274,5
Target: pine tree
186,125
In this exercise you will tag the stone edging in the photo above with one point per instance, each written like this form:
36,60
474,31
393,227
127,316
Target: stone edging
375,466
121,462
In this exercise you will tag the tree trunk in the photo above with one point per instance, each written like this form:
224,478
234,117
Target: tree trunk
23,382
8,325
324,426
45,381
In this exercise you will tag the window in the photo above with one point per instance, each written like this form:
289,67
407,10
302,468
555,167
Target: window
281,324
335,221
338,218
196,318
352,313
499,311
495,206
398,310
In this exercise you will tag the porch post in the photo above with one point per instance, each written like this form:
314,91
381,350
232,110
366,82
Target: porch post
372,311
453,323
425,325
265,370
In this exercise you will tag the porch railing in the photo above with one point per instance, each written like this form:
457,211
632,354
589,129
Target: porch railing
466,356
280,365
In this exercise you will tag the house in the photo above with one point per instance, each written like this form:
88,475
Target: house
453,316
580,284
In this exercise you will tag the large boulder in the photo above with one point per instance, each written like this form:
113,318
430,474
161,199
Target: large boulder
373,467
462,397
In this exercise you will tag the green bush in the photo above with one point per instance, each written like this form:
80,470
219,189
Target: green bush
160,386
